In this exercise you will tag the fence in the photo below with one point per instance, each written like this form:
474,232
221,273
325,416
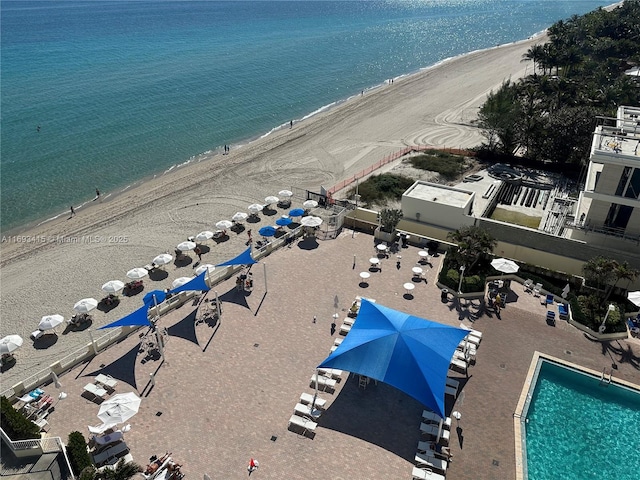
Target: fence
390,158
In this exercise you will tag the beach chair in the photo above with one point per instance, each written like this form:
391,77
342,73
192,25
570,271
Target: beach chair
528,285
324,383
536,289
551,317
563,311
431,429
431,417
431,461
36,335
459,365
422,473
549,299
331,373
106,381
307,398
107,439
95,391
344,329
304,424
117,450
305,411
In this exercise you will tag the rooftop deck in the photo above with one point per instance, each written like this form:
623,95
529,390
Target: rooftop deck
227,398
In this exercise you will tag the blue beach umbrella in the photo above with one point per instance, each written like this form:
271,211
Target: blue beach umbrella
296,212
267,231
283,221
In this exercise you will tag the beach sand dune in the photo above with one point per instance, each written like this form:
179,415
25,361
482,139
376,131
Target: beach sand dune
62,261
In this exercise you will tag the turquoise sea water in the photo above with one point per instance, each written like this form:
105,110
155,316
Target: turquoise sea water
578,429
100,94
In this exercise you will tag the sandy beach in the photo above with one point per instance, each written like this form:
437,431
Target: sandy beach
47,269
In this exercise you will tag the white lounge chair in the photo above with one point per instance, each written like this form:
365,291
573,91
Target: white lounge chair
95,390
306,411
331,373
344,329
304,424
338,341
425,474
333,348
432,417
472,332
99,429
431,461
429,449
307,398
528,285
323,382
36,334
537,289
107,381
349,321
432,430
458,364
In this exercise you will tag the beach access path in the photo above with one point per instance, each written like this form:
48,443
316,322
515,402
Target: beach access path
63,261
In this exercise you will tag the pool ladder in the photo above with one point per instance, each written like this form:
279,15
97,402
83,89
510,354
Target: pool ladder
604,380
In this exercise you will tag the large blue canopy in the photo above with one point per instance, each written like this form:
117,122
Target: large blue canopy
244,258
198,283
137,317
154,297
407,352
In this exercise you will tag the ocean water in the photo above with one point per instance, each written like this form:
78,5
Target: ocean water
102,94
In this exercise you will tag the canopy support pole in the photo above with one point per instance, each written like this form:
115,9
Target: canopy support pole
218,311
93,342
265,277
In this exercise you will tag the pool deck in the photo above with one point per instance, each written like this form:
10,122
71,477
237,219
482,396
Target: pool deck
217,403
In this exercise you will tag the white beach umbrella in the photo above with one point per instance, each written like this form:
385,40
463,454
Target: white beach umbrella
206,266
285,193
271,199
255,208
85,305
186,246
310,204
239,217
178,282
163,259
137,273
224,224
119,408
49,322
634,297
113,286
311,221
10,344
504,265
204,236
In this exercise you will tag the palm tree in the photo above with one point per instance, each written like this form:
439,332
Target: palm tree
473,242
535,53
122,471
622,271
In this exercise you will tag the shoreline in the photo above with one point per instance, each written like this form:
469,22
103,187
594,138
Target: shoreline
70,259
210,155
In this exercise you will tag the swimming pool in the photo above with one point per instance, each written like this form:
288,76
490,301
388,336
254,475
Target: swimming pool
574,427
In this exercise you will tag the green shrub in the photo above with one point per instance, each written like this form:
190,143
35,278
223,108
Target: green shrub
447,165
474,283
377,189
15,424
77,451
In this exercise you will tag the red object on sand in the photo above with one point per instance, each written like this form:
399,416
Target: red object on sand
252,463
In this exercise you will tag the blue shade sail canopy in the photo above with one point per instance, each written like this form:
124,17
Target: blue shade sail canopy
267,231
296,212
283,221
244,258
407,352
198,283
154,297
135,318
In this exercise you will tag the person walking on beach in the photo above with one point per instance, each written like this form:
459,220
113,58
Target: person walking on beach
198,252
250,241
73,212
291,124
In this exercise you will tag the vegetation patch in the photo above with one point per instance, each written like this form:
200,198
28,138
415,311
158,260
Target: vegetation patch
15,424
516,218
449,166
379,189
77,451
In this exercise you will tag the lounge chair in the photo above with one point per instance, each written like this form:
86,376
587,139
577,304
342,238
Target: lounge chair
431,461
549,300
432,417
96,391
458,364
344,329
563,311
420,473
36,335
106,381
477,334
331,373
304,424
116,450
307,398
128,458
432,430
305,411
100,429
429,449
323,382
537,288
528,285
551,317
107,439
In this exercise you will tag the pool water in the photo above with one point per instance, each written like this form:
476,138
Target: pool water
578,429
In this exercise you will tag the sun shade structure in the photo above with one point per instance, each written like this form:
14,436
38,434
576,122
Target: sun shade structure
267,231
504,265
196,283
135,318
407,352
244,258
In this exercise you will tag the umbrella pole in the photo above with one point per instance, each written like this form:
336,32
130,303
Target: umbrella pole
313,404
160,346
55,380
218,306
439,431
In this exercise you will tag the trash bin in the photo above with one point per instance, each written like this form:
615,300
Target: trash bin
444,295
